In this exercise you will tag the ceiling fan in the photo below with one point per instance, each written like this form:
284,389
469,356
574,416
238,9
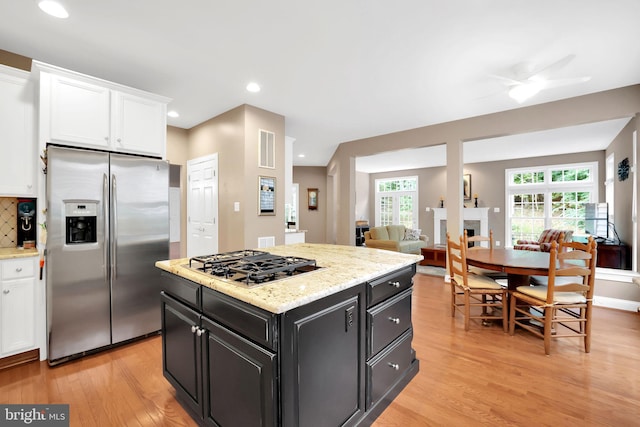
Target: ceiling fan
527,81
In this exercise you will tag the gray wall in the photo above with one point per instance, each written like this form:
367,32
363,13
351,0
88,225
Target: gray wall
487,180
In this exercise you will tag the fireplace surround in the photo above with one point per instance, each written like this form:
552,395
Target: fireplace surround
476,219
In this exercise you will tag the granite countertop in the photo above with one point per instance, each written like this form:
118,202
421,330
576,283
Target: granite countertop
9,253
342,268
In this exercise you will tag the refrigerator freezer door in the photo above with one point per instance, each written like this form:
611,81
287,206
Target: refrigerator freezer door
77,273
140,237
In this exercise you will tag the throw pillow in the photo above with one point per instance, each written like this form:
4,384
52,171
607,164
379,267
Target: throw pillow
412,234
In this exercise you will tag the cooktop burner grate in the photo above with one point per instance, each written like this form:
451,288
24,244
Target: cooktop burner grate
251,266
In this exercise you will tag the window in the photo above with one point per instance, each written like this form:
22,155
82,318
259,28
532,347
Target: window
549,197
397,201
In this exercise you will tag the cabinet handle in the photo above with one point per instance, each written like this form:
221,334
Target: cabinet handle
395,284
6,291
119,139
199,332
394,365
194,328
106,138
19,269
395,320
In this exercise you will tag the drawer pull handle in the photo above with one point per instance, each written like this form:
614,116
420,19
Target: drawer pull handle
395,284
194,328
394,366
19,269
395,320
6,291
199,332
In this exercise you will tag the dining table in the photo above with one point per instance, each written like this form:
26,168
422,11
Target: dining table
519,265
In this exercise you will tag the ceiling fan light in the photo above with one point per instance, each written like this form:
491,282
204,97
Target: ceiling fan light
53,8
522,92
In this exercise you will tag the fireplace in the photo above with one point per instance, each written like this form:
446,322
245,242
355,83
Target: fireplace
474,220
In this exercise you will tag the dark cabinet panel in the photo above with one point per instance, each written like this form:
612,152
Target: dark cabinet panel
388,320
251,322
181,347
384,287
240,380
323,371
389,367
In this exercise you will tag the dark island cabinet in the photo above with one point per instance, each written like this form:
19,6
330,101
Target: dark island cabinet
336,361
181,350
222,378
239,380
323,361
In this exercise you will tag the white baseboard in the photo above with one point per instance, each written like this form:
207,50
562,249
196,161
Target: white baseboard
619,304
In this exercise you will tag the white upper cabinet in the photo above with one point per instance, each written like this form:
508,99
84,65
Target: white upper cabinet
138,123
79,112
17,129
83,111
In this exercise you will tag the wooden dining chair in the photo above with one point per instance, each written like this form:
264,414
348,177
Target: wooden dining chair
472,291
470,244
563,307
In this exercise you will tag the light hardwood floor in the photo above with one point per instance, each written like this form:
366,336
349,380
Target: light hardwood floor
481,377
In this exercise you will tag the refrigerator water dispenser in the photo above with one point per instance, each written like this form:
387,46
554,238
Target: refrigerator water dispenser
80,221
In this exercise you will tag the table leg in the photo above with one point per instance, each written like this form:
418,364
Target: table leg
516,280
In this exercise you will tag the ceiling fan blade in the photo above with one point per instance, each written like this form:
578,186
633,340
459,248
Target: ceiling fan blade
561,63
565,82
506,80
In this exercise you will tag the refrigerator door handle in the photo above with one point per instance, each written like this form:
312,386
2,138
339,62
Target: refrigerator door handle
114,226
105,213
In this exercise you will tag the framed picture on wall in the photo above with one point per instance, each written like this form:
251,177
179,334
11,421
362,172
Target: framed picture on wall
266,195
466,186
312,198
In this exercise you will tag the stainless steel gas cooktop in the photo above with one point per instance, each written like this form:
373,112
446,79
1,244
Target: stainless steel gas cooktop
251,267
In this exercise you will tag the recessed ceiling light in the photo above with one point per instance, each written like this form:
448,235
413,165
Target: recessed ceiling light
53,8
253,87
173,114
300,155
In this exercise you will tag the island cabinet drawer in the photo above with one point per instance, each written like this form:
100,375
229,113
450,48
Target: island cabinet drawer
390,284
388,320
251,322
388,367
181,289
17,268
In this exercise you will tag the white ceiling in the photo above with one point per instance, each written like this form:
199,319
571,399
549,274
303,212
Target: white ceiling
337,70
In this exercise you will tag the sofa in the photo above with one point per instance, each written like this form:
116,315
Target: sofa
395,238
543,244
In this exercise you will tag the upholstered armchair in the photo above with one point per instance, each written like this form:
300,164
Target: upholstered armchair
543,244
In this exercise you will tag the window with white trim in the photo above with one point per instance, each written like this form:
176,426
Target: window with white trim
397,201
548,197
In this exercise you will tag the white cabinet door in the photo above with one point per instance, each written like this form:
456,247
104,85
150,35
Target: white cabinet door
79,113
17,302
17,142
138,124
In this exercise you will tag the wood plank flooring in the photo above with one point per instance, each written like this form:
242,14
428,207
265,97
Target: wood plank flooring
481,377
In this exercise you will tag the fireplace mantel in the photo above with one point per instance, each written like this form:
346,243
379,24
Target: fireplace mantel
468,214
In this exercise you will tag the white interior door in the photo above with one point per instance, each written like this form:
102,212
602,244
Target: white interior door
202,206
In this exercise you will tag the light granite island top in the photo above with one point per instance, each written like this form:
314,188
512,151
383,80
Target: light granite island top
341,268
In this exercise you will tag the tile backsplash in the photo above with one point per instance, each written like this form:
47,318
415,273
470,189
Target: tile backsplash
8,222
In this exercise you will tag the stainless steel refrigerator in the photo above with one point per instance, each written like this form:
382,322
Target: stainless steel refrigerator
107,225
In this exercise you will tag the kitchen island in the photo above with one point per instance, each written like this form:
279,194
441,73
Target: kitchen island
328,347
